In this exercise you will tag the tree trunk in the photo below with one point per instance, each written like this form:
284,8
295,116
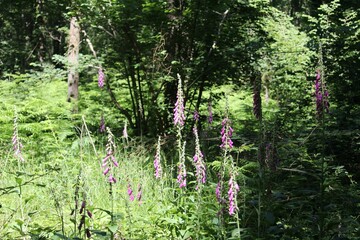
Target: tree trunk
41,26
73,56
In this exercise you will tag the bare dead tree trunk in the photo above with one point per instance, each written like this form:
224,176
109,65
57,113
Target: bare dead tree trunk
73,57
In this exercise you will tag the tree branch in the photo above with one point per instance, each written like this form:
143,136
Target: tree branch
123,111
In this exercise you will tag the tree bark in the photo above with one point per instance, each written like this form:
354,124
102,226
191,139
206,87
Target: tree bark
73,57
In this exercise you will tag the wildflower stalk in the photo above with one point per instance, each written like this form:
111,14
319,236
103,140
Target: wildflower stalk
226,146
179,121
130,192
83,211
157,160
109,161
322,105
232,193
102,124
130,198
112,209
181,178
200,171
108,164
139,194
101,78
74,212
199,162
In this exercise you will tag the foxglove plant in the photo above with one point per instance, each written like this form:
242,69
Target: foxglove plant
101,78
179,113
196,116
226,145
84,212
199,161
17,146
219,190
321,95
226,134
157,160
139,194
109,161
102,124
200,173
181,178
130,192
232,194
179,121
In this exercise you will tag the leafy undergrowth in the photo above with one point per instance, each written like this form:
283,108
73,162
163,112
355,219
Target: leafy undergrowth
45,198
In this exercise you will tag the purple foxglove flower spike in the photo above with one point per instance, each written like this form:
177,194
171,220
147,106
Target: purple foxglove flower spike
318,94
157,160
181,178
232,194
106,171
226,134
139,194
130,192
179,115
219,190
112,179
196,116
102,124
108,164
199,161
321,95
101,78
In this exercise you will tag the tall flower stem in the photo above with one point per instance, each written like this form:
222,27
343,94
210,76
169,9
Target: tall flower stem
108,164
233,193
226,146
198,212
320,77
179,121
200,172
157,160
112,208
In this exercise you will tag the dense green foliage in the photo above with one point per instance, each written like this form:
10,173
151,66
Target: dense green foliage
253,61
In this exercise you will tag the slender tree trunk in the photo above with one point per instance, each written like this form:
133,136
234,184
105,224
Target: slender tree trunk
41,26
172,45
73,56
